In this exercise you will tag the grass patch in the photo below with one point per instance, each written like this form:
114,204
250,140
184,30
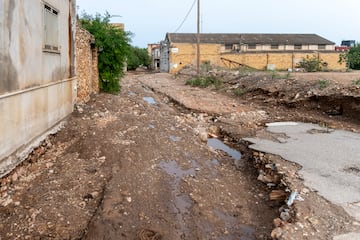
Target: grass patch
323,84
356,82
275,75
239,91
204,82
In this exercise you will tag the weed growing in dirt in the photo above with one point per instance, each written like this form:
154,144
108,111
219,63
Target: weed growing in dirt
277,75
323,84
356,82
239,91
287,75
206,66
204,82
244,71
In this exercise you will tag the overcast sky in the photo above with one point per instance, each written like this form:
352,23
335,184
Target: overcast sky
150,20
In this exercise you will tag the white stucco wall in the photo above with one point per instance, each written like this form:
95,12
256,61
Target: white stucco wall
37,88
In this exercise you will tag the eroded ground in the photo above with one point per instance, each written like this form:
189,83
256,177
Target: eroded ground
137,165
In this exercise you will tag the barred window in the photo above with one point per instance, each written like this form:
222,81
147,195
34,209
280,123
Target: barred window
298,46
252,46
51,29
228,46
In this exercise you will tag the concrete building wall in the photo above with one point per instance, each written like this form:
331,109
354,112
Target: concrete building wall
37,85
86,65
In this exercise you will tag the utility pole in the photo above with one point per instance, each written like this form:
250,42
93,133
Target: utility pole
198,41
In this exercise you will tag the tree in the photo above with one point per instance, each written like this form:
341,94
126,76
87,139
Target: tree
351,57
138,57
113,46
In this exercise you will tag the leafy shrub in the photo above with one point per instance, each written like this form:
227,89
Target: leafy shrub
138,57
351,57
311,64
204,82
113,46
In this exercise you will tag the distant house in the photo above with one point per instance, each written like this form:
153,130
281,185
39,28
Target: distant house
154,53
37,69
120,26
280,51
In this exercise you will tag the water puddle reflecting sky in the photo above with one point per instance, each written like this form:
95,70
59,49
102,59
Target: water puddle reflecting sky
149,100
216,144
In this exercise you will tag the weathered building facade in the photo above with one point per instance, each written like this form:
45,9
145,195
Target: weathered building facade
37,69
259,51
154,53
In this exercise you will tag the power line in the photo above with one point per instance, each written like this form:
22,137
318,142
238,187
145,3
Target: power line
187,15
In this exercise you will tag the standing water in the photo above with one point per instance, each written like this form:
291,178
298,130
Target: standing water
149,100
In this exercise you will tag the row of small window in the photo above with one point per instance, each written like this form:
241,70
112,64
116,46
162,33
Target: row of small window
296,46
273,46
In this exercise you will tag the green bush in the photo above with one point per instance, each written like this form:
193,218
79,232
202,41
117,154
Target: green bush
113,46
311,64
138,57
351,58
204,82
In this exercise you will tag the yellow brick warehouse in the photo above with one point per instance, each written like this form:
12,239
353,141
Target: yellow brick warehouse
222,50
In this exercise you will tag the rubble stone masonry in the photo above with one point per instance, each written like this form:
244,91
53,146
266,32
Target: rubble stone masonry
86,65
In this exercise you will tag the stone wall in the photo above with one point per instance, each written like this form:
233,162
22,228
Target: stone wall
86,65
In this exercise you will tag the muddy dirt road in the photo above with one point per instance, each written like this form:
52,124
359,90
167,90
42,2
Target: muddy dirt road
133,166
138,165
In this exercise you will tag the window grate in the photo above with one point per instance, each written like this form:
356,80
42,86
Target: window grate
51,29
